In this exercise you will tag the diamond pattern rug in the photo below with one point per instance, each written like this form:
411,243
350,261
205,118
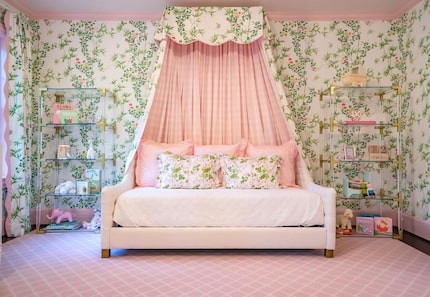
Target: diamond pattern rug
69,264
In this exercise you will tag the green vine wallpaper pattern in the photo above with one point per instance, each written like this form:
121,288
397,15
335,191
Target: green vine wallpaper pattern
310,56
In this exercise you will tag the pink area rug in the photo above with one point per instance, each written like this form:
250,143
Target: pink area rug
69,264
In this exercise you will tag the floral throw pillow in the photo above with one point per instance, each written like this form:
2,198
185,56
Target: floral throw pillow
250,173
187,172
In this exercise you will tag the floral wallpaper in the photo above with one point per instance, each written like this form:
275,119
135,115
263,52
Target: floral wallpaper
188,24
310,56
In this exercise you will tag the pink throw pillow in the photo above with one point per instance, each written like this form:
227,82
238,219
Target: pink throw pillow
147,163
237,150
288,153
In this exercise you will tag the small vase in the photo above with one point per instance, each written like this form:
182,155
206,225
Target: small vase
91,153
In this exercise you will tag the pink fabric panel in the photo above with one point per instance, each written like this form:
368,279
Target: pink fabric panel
216,95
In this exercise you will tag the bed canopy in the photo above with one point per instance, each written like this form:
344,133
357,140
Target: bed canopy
214,82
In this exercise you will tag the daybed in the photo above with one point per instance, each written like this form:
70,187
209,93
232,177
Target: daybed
138,215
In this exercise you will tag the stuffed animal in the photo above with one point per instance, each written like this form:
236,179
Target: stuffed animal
67,187
60,215
96,221
344,221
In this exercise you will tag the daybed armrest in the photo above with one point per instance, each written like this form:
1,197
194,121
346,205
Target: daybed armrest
329,200
109,196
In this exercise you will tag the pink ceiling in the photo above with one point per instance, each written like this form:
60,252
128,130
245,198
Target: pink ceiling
152,9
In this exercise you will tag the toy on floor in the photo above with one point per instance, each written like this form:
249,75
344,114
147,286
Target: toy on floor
96,221
343,222
60,215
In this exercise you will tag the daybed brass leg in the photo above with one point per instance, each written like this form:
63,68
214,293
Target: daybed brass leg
105,253
329,253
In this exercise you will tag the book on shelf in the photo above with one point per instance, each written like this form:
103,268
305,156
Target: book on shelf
82,187
383,226
63,226
93,176
65,114
364,226
369,122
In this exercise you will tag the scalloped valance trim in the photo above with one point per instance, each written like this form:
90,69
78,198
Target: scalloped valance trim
211,25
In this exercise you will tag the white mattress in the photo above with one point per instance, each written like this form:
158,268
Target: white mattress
154,207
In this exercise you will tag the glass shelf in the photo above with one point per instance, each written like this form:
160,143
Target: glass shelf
71,195
363,161
69,159
368,197
70,125
361,91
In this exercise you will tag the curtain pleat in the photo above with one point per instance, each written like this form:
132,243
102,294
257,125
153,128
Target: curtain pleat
216,95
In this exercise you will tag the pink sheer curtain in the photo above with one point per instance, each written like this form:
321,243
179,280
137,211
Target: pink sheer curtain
216,95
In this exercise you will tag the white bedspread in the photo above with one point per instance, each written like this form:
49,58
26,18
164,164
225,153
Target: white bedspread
154,207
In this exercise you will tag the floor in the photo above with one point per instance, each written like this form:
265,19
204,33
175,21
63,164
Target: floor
69,264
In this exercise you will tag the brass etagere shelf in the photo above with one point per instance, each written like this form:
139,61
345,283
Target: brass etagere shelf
333,129
90,117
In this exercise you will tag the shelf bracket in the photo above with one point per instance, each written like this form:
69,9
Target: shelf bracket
102,124
333,124
397,88
333,89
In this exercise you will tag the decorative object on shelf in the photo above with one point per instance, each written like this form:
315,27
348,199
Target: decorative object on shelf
91,152
383,226
67,187
65,114
93,176
60,215
82,187
358,187
364,226
349,152
343,221
377,152
62,226
355,78
63,151
96,221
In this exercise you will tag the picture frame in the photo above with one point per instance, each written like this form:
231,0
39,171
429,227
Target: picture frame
63,151
349,152
82,187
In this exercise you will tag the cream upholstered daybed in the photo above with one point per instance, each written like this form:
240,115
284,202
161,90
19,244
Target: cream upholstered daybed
217,191
148,217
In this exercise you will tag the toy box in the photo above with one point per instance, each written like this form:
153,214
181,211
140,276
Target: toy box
383,226
364,226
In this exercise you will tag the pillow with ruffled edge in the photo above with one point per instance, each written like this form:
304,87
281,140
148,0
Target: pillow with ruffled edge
288,153
147,165
187,172
250,173
237,149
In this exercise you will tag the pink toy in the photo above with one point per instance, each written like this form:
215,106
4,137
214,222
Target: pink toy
60,215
